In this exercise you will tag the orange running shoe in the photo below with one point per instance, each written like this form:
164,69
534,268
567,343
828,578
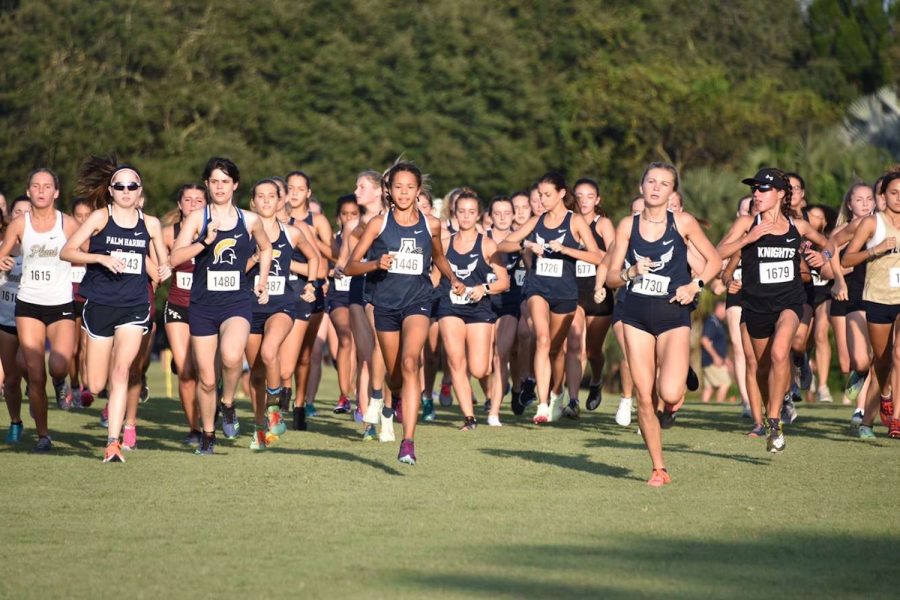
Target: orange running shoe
113,453
659,478
887,410
894,430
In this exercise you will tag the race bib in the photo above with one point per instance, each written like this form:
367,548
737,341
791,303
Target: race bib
78,274
738,273
406,263
7,296
649,284
776,272
223,281
895,277
585,269
132,260
519,276
184,281
463,299
549,267
275,285
342,284
37,274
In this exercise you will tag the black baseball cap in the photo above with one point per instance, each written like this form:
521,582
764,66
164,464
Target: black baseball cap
769,176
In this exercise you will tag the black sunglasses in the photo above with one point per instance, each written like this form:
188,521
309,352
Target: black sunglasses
131,187
761,188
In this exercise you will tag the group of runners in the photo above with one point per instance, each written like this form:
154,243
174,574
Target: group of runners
518,295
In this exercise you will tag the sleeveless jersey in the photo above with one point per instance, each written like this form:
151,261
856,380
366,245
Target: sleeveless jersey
8,292
770,271
46,280
407,282
280,296
553,274
586,272
883,272
339,285
669,268
514,264
182,279
219,278
298,282
472,270
129,244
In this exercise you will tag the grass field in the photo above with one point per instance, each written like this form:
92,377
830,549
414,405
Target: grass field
512,512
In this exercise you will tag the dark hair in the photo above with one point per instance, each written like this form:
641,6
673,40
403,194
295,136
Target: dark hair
95,176
886,180
831,216
296,173
797,177
467,193
598,208
346,199
223,164
80,201
44,170
179,194
401,167
17,199
518,193
666,167
498,200
265,181
428,196
554,178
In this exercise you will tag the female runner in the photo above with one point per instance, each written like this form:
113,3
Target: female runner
656,315
555,238
523,385
44,310
9,339
405,244
116,310
218,237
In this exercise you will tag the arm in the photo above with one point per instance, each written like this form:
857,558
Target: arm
324,235
159,245
265,254
513,242
739,236
356,266
312,258
187,245
692,232
12,237
583,235
495,259
440,261
73,253
855,253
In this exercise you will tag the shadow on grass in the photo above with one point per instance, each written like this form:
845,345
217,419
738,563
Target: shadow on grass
337,455
790,565
577,462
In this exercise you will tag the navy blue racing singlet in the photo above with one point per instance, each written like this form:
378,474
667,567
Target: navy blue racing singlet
552,276
219,278
131,245
408,281
669,268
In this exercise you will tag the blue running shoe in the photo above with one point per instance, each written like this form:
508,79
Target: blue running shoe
428,413
14,435
43,444
230,426
407,452
310,409
369,433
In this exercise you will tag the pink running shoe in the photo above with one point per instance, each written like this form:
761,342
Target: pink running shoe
129,438
87,398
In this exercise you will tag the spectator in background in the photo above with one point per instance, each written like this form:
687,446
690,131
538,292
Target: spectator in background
714,355
4,215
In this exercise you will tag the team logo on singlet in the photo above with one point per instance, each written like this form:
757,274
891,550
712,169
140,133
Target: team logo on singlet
42,251
408,246
463,273
276,266
546,243
658,265
223,253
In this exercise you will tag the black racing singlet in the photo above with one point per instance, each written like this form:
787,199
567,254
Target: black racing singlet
771,271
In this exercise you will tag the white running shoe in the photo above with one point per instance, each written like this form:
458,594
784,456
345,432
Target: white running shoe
623,415
494,421
556,406
387,429
373,412
543,414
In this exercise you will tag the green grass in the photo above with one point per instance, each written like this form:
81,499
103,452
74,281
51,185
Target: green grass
512,512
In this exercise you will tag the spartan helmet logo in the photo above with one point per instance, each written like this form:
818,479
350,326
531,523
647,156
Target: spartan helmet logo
223,253
408,246
661,263
463,273
276,266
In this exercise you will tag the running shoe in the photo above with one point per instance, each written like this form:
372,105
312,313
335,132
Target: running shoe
824,395
469,424
805,373
44,444
894,429
623,414
556,406
284,400
796,396
76,399
693,383
299,418
407,452
758,431
387,429
494,421
373,412
398,409
230,425
87,398
486,406
667,418
543,414
104,416
595,396
887,410
113,453
145,390
258,442
788,410
129,438
14,435
428,413
277,426
369,433
854,385
659,478
515,404
343,406
207,445
527,396
746,414
572,411
192,438
63,394
311,411
775,438
865,433
357,415
445,397
856,420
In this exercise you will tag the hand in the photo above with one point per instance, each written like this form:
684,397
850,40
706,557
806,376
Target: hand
309,293
7,263
476,293
600,295
212,229
760,230
642,266
839,291
685,294
338,271
458,287
814,259
536,249
113,264
735,286
165,271
385,262
262,293
719,362
556,246
888,245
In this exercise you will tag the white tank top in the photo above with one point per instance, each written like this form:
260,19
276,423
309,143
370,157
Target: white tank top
8,290
46,280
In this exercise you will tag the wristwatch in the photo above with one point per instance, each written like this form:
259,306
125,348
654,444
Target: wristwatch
699,283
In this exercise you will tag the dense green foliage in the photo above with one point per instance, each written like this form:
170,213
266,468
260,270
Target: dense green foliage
484,94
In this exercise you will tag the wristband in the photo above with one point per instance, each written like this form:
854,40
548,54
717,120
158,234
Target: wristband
202,241
871,252
827,254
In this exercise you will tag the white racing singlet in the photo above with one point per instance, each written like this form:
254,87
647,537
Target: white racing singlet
46,280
